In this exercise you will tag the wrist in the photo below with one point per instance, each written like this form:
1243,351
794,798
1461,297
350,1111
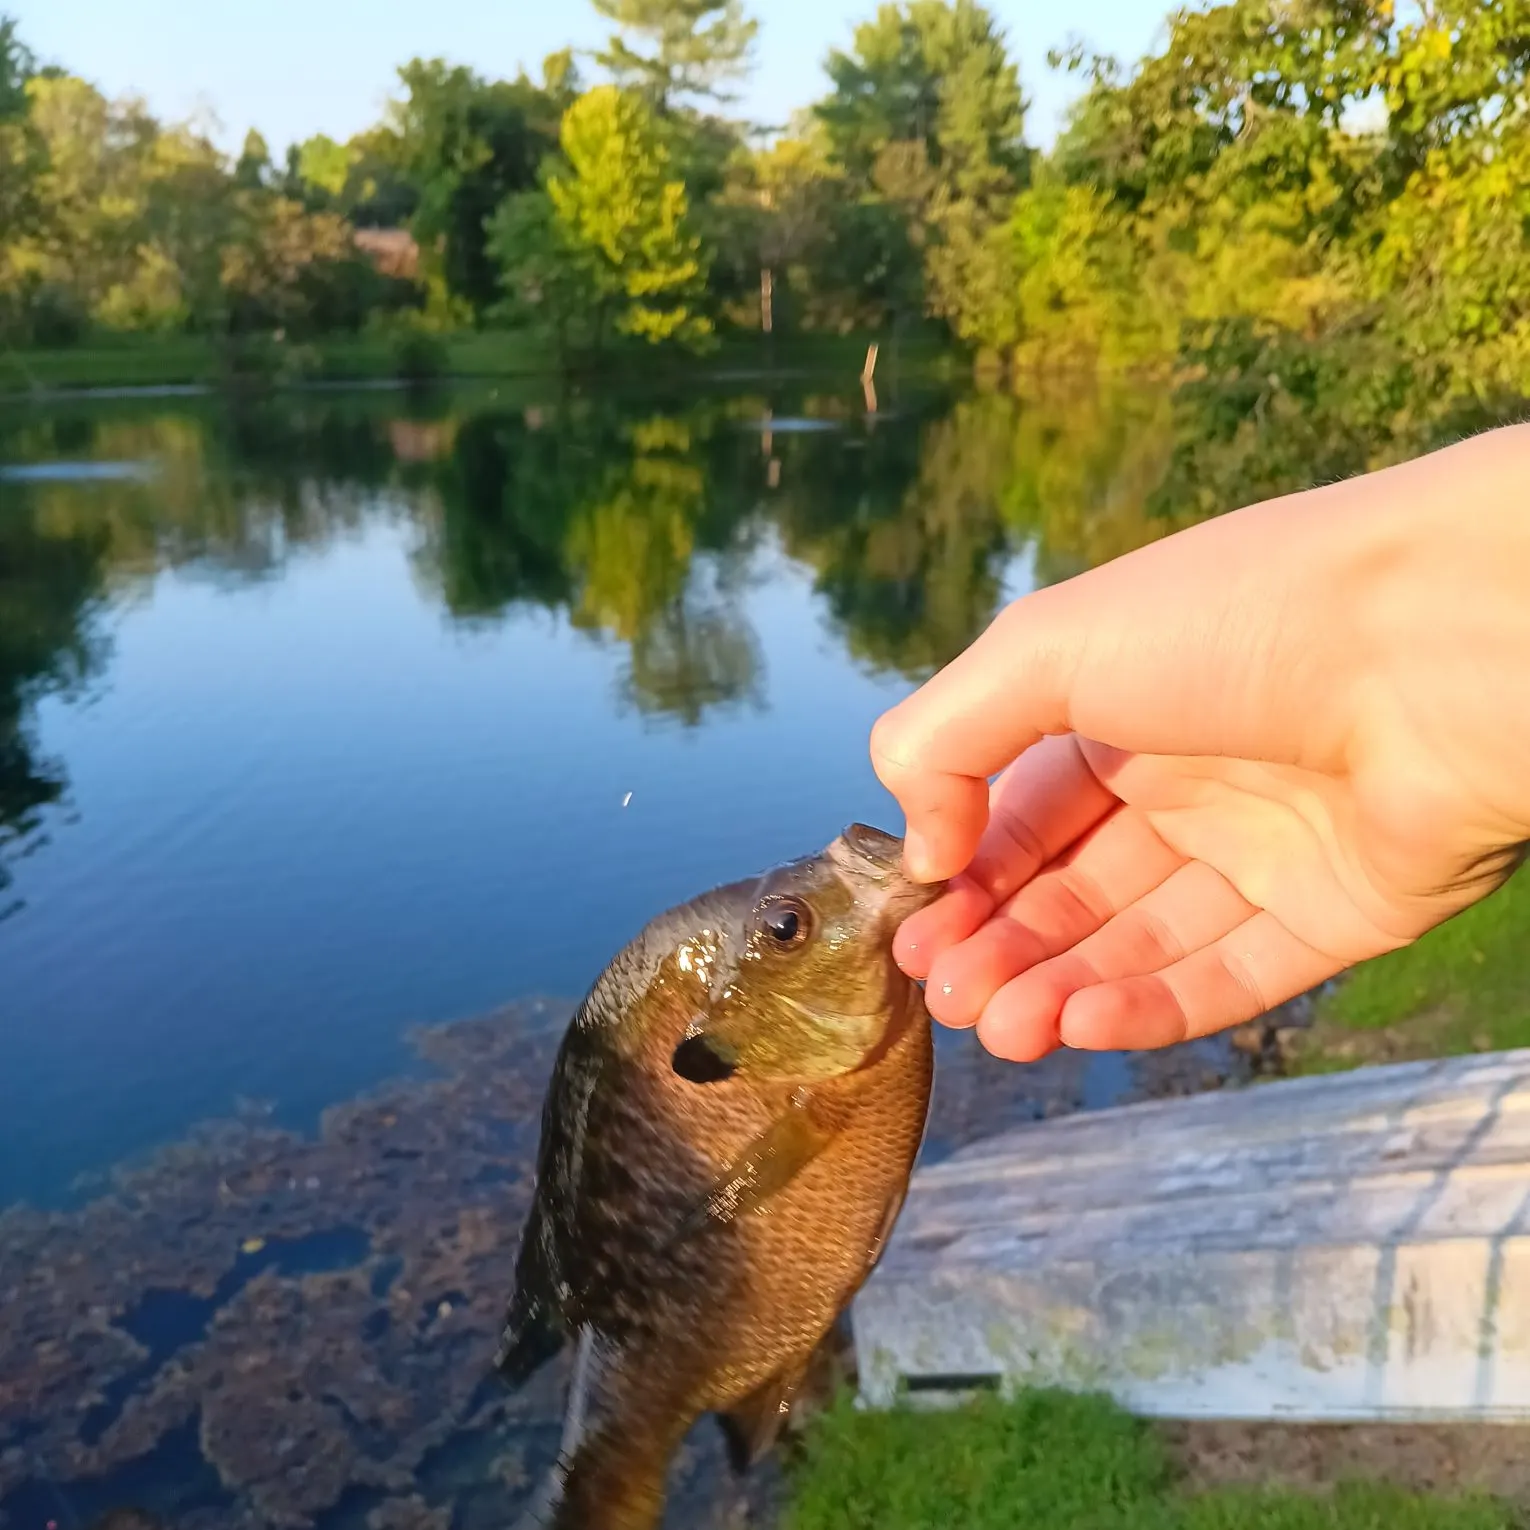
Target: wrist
1432,583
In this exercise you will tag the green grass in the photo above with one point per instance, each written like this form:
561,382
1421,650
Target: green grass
128,360
1465,987
108,364
1055,1461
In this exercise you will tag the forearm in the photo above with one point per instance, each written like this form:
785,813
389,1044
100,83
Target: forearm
1433,574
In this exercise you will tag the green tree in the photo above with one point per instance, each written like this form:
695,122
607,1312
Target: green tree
89,246
325,164
1220,182
869,273
253,169
362,179
550,285
17,66
1082,297
678,48
189,217
1450,269
773,216
285,268
466,144
621,222
928,114
21,150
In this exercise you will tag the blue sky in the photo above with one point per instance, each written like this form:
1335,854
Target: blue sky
296,67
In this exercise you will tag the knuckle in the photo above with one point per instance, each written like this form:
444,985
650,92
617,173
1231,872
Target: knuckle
1089,904
1021,843
890,745
1158,936
1252,1001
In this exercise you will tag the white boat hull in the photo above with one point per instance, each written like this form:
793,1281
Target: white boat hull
1353,1247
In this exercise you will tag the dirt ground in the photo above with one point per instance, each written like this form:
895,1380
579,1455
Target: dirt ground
1437,1458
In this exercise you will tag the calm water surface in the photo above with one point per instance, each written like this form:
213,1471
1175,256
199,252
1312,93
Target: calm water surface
318,718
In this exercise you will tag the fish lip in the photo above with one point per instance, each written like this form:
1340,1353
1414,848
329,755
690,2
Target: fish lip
869,856
876,847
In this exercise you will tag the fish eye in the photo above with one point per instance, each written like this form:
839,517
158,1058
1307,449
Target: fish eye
787,921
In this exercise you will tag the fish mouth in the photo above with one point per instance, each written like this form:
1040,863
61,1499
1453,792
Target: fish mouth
868,856
874,846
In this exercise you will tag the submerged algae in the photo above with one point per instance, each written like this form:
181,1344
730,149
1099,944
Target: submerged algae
261,1330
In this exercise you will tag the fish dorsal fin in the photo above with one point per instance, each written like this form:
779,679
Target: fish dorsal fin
752,1426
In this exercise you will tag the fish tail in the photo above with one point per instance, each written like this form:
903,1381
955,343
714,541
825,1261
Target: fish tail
612,1470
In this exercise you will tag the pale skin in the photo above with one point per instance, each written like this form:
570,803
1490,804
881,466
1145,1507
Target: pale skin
1234,763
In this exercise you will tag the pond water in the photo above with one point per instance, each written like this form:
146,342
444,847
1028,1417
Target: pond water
327,717
342,699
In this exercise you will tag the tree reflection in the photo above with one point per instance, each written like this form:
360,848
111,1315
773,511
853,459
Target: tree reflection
49,587
904,532
586,510
642,525
497,514
696,656
230,493
1085,465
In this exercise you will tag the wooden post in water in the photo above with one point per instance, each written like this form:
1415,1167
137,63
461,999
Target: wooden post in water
868,374
768,313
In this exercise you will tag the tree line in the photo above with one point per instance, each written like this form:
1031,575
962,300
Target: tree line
1303,196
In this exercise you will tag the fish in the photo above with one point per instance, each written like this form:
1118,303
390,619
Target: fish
726,1143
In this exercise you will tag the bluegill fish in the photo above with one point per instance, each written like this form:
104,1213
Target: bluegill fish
726,1143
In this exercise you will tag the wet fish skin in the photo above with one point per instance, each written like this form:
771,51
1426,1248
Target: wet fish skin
726,1143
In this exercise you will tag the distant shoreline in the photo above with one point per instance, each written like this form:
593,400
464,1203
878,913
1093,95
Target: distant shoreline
139,366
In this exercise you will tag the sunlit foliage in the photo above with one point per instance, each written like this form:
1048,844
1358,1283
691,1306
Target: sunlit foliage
1312,200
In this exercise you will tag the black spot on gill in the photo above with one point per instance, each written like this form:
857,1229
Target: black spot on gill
697,1063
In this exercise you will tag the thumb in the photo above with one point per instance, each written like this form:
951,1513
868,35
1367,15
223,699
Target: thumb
1182,647
936,750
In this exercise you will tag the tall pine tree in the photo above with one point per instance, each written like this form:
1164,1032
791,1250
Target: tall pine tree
672,49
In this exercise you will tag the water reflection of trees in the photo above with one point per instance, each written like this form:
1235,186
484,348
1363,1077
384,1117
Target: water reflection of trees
639,524
613,520
229,494
905,532
49,585
233,494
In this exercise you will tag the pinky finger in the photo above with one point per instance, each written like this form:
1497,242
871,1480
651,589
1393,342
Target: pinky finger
1243,975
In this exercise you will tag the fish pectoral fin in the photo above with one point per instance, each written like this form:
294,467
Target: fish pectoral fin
532,1334
884,1232
530,1339
766,1166
752,1426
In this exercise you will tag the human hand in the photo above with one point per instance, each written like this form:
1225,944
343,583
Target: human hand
1233,763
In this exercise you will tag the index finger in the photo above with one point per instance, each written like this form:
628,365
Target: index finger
937,750
1038,808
